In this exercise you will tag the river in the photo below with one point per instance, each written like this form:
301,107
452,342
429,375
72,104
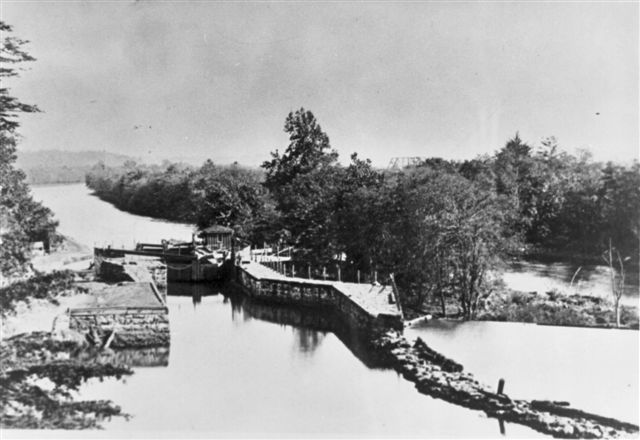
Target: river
236,368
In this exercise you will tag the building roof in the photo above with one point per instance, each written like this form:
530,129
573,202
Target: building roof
216,229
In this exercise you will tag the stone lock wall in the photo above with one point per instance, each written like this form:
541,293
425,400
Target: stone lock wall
310,293
133,327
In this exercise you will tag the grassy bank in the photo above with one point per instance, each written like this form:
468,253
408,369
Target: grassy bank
553,308
548,308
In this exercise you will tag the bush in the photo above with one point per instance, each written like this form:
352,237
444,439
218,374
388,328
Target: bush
42,286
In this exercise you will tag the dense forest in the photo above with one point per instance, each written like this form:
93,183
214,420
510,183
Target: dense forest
439,226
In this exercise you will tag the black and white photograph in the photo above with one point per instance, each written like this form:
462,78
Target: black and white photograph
319,219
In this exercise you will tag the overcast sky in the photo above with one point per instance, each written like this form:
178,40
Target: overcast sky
217,80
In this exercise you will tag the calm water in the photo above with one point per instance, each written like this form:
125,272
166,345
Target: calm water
594,369
589,280
238,368
91,221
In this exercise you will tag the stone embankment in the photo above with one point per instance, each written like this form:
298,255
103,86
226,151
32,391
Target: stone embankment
130,314
442,378
364,306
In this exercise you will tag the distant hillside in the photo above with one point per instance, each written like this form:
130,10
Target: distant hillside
57,166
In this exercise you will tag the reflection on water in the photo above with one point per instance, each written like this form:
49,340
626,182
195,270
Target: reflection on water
243,368
194,290
594,369
310,324
139,357
239,368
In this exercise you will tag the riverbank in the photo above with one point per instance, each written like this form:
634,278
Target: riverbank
69,254
554,308
546,308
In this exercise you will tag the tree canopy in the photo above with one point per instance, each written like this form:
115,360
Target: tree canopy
442,227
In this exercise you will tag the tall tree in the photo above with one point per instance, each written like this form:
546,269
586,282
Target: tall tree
309,149
303,183
360,216
21,218
513,165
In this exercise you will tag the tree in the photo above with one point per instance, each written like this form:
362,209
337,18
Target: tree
359,216
11,54
308,150
447,233
21,218
303,182
612,257
230,196
513,165
620,205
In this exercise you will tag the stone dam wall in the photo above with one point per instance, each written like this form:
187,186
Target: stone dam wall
375,308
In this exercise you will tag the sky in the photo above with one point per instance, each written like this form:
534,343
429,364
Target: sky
216,80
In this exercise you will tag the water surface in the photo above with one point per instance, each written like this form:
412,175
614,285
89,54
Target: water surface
92,222
239,368
594,369
236,367
232,374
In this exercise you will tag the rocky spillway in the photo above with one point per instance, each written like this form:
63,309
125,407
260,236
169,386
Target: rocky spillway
442,378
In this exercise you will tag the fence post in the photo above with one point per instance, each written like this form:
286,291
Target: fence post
324,273
358,276
293,270
309,271
500,386
338,267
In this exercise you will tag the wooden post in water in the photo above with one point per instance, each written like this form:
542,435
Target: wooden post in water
500,386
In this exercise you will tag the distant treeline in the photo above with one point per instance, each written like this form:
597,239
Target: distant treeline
438,226
229,195
57,166
63,174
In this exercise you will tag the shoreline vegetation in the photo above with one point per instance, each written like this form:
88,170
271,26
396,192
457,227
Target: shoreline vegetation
439,227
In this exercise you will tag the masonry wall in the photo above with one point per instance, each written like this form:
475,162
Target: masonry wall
134,327
310,293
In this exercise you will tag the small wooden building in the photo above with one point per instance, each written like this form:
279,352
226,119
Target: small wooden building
217,237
